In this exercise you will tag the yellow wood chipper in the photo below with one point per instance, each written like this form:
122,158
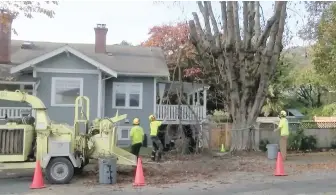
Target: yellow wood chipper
62,149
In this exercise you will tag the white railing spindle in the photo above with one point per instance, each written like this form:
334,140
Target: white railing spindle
172,112
12,112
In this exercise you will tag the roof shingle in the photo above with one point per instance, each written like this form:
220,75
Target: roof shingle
120,58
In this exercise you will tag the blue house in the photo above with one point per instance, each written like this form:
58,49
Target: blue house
130,79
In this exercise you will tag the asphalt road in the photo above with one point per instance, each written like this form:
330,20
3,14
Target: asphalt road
267,185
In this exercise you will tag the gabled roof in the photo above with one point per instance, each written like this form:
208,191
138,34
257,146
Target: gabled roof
58,51
122,59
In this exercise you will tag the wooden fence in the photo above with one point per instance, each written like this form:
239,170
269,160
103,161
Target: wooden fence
324,129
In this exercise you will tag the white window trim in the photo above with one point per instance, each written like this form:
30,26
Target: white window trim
127,96
53,82
119,132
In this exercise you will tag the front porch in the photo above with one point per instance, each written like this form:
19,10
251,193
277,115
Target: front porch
15,110
192,109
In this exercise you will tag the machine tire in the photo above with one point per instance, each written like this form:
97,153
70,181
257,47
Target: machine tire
56,165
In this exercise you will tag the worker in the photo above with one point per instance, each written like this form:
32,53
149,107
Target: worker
284,133
154,127
137,137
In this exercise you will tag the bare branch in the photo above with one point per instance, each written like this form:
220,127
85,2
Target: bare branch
213,22
206,18
257,26
236,24
245,21
230,25
224,20
251,21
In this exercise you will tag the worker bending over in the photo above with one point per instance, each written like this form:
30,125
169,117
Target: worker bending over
284,133
137,137
154,127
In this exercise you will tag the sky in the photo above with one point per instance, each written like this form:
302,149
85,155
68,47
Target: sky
126,20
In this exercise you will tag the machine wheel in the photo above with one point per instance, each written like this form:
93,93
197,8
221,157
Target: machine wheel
59,171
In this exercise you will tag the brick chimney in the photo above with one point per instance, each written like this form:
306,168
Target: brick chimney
6,20
100,40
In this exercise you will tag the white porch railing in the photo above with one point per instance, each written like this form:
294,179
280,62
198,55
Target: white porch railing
172,112
13,112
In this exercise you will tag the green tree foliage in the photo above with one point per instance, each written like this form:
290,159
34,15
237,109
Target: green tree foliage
315,11
277,91
324,51
309,87
325,110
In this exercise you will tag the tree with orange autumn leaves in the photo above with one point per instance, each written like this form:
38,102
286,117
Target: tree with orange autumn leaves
171,38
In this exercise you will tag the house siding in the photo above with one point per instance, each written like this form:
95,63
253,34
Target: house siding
142,114
67,114
90,89
61,61
66,61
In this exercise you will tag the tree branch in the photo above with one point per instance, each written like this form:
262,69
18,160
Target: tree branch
224,21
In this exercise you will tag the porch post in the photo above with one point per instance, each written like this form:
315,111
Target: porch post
204,103
33,111
155,96
198,98
99,107
193,97
188,99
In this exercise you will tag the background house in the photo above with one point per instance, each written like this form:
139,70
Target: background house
114,77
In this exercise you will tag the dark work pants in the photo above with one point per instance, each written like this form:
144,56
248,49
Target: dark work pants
157,144
135,149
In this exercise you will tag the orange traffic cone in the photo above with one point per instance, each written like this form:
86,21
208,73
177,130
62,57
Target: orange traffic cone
139,176
38,182
279,167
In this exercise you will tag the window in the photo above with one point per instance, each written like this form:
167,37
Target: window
123,133
127,95
64,91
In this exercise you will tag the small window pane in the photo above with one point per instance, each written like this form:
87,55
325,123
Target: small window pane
124,133
120,99
134,89
120,88
134,100
67,91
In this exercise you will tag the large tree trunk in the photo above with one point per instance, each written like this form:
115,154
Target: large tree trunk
245,59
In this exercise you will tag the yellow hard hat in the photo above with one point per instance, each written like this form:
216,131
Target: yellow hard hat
151,117
283,113
136,121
